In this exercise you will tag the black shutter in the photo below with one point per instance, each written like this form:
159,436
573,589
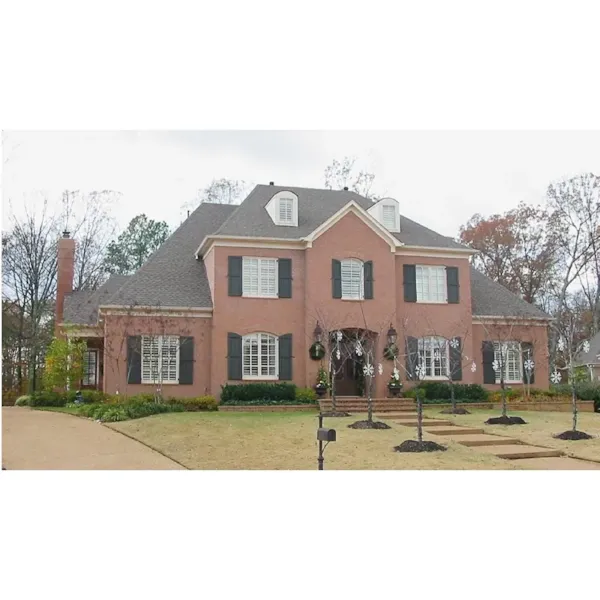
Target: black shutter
235,275
410,283
134,359
452,285
487,351
527,352
285,357
186,360
285,277
336,278
368,275
412,356
234,356
456,361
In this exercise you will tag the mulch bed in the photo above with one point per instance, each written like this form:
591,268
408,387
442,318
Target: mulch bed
367,425
573,435
458,411
337,413
506,421
414,446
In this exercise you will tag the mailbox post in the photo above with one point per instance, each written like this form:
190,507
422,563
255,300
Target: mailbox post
324,435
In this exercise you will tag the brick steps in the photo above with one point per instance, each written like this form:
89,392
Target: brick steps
379,405
451,430
519,451
482,439
426,422
562,463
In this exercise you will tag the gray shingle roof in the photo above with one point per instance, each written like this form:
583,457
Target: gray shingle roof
172,276
489,298
591,357
81,307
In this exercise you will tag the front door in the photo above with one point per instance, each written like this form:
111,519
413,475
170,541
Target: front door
348,372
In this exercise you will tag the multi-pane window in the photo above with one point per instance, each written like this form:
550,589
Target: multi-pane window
286,211
508,357
352,279
431,283
434,356
90,367
259,276
259,356
389,216
160,359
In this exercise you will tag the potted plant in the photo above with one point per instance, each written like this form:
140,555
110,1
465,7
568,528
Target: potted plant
322,382
394,384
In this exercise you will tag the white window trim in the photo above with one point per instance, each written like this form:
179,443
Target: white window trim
152,381
520,363
361,295
280,201
261,377
377,212
95,382
437,377
272,208
260,259
429,268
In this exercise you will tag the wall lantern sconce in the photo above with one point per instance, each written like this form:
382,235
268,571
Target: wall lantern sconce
392,335
318,333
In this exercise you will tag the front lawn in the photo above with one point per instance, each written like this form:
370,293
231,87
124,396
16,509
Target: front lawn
288,441
540,428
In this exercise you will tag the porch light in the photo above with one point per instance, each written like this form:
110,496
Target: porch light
392,335
318,333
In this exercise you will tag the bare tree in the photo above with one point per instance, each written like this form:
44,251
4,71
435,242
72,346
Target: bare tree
341,174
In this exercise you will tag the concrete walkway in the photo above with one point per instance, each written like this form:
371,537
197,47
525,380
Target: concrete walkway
35,439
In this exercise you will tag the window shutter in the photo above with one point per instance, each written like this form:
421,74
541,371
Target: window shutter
368,267
412,356
134,359
186,360
527,352
452,285
235,275
336,278
234,356
285,277
285,357
456,361
410,283
487,351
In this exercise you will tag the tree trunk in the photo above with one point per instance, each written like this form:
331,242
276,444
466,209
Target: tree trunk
332,386
419,417
574,394
452,398
503,388
369,400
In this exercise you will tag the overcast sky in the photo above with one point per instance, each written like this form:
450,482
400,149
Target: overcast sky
440,178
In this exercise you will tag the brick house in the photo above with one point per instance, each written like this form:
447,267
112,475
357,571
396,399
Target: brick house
235,294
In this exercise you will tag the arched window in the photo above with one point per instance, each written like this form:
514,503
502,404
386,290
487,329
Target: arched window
260,356
353,281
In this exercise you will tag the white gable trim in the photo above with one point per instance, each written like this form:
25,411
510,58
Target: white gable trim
248,242
361,213
435,252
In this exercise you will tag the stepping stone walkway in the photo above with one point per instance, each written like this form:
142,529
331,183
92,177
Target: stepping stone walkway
530,457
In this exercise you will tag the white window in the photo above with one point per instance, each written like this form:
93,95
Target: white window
353,285
260,353
389,217
431,284
90,367
286,211
259,277
508,355
160,359
434,356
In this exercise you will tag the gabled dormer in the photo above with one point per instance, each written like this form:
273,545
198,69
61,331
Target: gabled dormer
283,209
387,212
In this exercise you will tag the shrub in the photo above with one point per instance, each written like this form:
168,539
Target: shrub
446,401
140,398
87,396
306,396
22,401
259,393
126,410
47,399
442,390
195,404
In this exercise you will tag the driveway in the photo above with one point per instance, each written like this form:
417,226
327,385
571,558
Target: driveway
35,439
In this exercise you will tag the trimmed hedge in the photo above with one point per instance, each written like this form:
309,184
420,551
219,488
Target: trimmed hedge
258,393
195,404
306,396
585,391
441,390
125,411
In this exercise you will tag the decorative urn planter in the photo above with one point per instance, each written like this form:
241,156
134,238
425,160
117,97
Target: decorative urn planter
394,390
320,389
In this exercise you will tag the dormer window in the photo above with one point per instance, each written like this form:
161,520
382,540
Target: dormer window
283,209
389,217
387,212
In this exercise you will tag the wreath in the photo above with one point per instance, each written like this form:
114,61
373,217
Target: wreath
391,352
317,351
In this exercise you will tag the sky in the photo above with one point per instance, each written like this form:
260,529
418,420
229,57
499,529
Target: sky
440,178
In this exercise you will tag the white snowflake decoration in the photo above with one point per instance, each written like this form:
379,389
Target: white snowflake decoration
455,343
496,366
420,371
529,365
473,367
368,370
339,336
380,369
359,350
338,354
396,374
555,377
436,354
561,344
586,346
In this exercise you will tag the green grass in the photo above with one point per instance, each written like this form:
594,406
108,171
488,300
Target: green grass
62,409
272,440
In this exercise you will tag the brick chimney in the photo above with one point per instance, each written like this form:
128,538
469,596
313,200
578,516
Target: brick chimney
66,271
